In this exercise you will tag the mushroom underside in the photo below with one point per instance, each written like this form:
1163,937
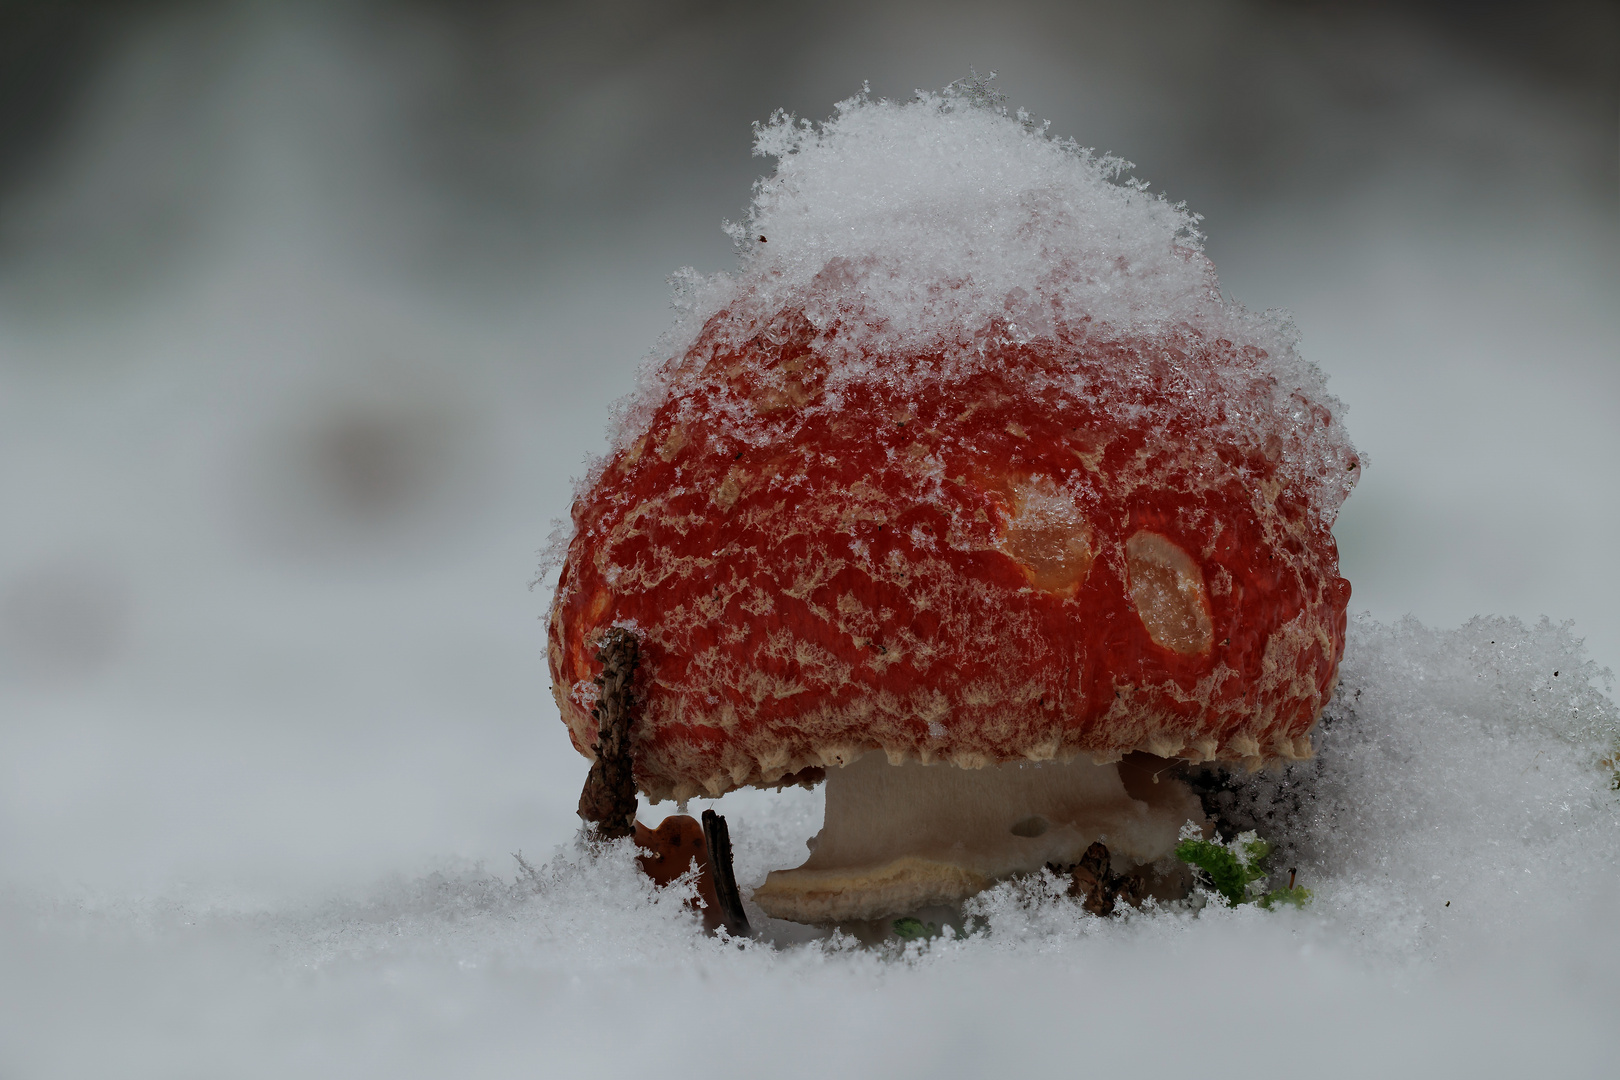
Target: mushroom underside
899,838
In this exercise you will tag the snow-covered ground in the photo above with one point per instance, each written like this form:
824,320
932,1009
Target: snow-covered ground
273,704
1461,842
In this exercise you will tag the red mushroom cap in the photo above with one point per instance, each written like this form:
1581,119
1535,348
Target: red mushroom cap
978,569
871,505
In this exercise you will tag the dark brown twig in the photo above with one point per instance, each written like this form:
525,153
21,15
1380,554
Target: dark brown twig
718,837
609,798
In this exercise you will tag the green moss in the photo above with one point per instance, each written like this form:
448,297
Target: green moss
1236,870
909,929
1298,896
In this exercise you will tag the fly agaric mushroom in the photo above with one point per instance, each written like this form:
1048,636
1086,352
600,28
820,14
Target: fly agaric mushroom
966,492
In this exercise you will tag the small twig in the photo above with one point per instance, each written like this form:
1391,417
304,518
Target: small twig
1291,872
718,838
609,798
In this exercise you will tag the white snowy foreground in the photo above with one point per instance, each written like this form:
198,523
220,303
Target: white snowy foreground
1459,829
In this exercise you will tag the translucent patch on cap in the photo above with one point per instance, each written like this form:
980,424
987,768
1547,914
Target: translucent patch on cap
1167,588
1049,538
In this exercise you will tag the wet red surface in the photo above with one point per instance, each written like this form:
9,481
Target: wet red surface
1022,551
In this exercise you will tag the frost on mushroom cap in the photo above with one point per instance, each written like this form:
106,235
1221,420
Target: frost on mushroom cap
970,462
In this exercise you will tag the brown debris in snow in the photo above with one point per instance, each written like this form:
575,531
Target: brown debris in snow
732,916
1093,881
670,851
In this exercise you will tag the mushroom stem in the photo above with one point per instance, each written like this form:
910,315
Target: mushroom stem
608,800
897,838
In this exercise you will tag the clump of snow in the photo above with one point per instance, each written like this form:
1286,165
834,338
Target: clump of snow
1458,829
928,223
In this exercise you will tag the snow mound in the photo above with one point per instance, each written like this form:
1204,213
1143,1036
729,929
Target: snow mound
1465,786
1459,829
945,218
949,219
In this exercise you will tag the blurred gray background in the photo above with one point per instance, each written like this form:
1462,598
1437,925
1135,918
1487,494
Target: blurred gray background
309,313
